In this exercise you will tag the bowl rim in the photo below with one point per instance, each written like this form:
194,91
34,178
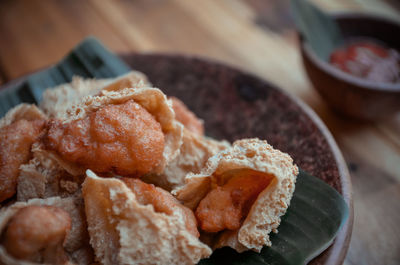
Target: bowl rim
346,77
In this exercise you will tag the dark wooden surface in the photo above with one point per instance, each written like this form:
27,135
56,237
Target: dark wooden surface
254,35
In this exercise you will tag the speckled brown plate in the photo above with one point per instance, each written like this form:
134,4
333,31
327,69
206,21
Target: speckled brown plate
236,105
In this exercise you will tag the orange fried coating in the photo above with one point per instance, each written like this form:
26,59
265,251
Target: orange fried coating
16,140
187,117
226,207
162,201
37,233
125,139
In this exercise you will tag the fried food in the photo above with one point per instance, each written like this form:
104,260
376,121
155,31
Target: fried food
187,117
162,201
26,226
226,206
122,129
16,140
242,193
150,99
38,231
125,229
194,153
125,139
56,101
22,111
133,79
43,177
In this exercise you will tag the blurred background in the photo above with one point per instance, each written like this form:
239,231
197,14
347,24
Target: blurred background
257,36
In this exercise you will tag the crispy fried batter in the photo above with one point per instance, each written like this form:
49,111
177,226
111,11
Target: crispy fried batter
15,144
56,101
124,138
194,153
37,233
76,243
278,176
187,117
162,202
123,230
225,207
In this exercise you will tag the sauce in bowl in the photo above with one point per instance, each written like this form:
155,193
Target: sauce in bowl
369,60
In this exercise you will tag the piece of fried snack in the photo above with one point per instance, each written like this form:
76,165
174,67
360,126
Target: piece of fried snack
51,231
137,223
241,194
39,177
130,131
56,101
19,128
37,233
22,111
193,154
43,177
121,138
187,117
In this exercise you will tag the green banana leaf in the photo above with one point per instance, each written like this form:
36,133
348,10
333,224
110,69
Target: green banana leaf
319,29
315,215
88,59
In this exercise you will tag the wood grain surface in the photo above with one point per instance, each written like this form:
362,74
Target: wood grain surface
255,35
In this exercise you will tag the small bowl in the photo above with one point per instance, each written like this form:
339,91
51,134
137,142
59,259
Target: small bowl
347,94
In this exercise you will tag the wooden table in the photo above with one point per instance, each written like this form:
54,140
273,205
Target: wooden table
254,35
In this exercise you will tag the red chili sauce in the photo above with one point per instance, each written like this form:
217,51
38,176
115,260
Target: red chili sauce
368,60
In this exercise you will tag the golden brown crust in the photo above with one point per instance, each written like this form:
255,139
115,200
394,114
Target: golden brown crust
163,202
16,140
135,233
77,239
19,128
271,203
151,99
187,117
22,111
193,155
46,175
121,138
56,101
131,79
37,233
